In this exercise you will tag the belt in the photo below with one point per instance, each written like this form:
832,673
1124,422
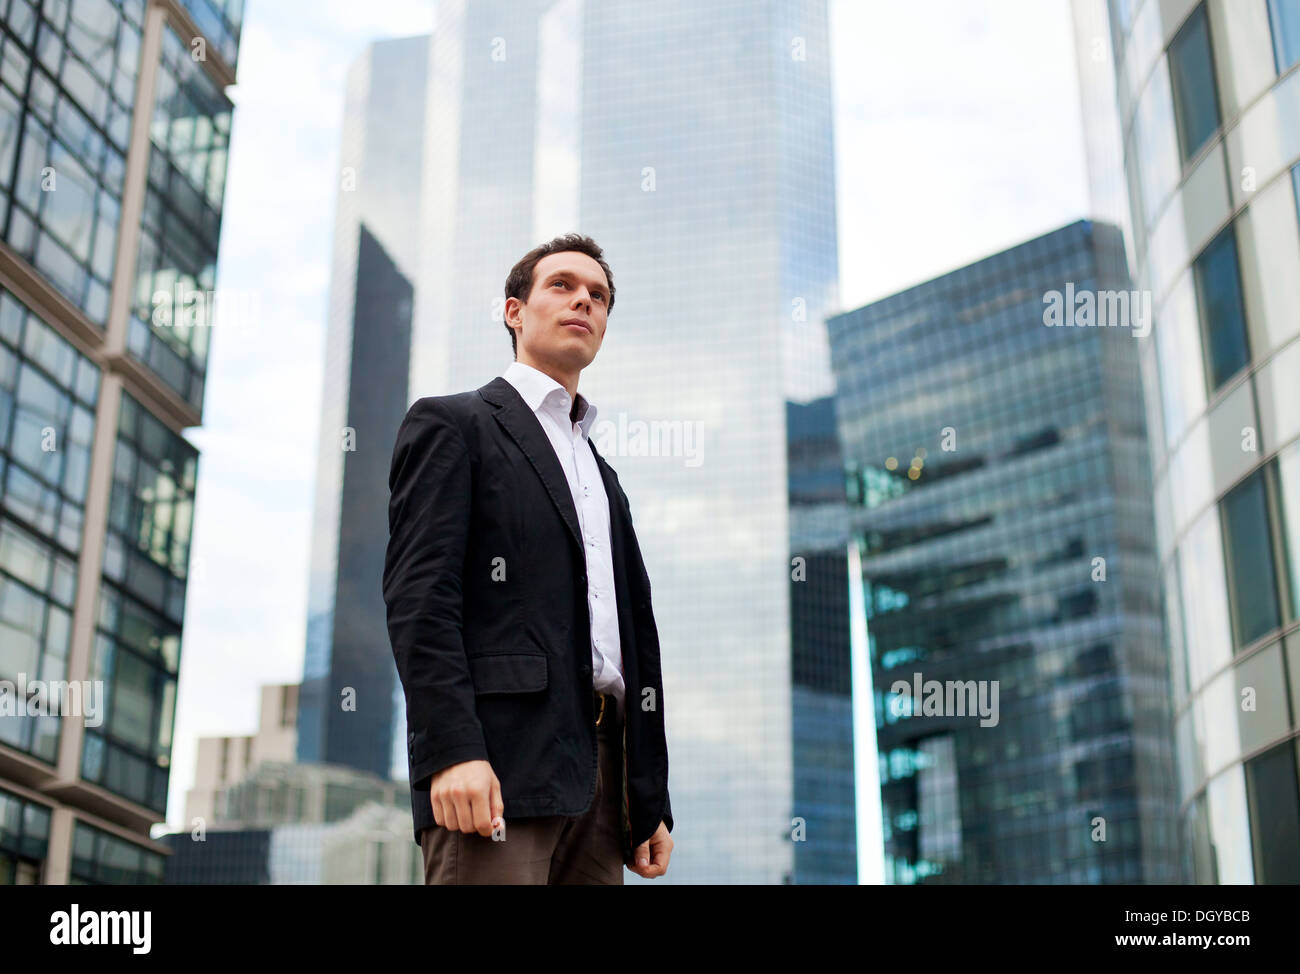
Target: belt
606,705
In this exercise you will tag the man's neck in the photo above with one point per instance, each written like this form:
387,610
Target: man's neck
570,382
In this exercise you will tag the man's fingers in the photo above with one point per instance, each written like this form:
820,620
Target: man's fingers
464,811
466,797
651,857
660,858
482,820
498,806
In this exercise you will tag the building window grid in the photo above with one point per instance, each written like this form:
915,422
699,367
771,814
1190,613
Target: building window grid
130,753
78,139
1285,612
24,837
1279,573
41,492
23,65
180,223
1206,868
221,22
151,509
141,607
99,857
35,361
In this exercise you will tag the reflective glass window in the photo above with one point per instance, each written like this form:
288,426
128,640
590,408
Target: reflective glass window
1223,321
1248,545
1284,16
1191,75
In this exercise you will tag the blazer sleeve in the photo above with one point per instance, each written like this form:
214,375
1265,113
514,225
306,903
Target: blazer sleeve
429,504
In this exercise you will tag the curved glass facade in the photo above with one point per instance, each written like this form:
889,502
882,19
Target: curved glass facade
1209,105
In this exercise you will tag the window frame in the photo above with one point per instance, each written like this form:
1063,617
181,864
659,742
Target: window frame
1189,157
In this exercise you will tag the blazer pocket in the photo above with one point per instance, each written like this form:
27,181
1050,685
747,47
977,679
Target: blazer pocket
508,673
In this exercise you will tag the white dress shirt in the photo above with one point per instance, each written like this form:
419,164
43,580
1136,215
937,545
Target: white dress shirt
550,402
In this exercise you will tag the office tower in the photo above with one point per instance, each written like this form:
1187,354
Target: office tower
225,761
301,823
114,129
825,808
1208,100
693,142
1103,137
1000,501
351,701
256,816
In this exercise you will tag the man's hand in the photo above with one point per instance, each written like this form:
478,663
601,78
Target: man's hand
651,857
467,797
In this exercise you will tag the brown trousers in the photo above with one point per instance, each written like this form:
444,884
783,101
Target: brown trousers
555,850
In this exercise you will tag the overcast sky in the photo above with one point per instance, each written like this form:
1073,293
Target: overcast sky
957,135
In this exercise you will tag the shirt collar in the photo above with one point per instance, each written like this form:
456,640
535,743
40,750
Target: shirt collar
539,391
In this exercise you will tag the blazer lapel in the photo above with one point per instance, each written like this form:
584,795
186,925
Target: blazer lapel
523,427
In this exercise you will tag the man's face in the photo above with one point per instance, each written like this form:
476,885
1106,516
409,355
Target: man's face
568,288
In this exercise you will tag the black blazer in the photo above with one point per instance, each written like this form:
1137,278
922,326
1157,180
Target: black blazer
485,579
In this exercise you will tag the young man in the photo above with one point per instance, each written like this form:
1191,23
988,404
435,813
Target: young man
519,611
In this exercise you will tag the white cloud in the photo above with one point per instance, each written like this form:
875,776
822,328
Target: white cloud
957,134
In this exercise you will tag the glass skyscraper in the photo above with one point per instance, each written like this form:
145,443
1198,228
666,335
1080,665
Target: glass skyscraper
825,803
114,129
694,143
1208,108
1000,500
351,709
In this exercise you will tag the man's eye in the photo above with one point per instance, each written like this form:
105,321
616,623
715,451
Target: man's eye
599,294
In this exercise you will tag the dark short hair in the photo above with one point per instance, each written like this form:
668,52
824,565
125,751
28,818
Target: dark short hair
519,283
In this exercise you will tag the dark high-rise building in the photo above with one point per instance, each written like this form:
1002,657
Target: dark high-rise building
1000,498
824,807
350,708
114,131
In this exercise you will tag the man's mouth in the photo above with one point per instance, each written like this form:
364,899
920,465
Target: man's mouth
576,322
